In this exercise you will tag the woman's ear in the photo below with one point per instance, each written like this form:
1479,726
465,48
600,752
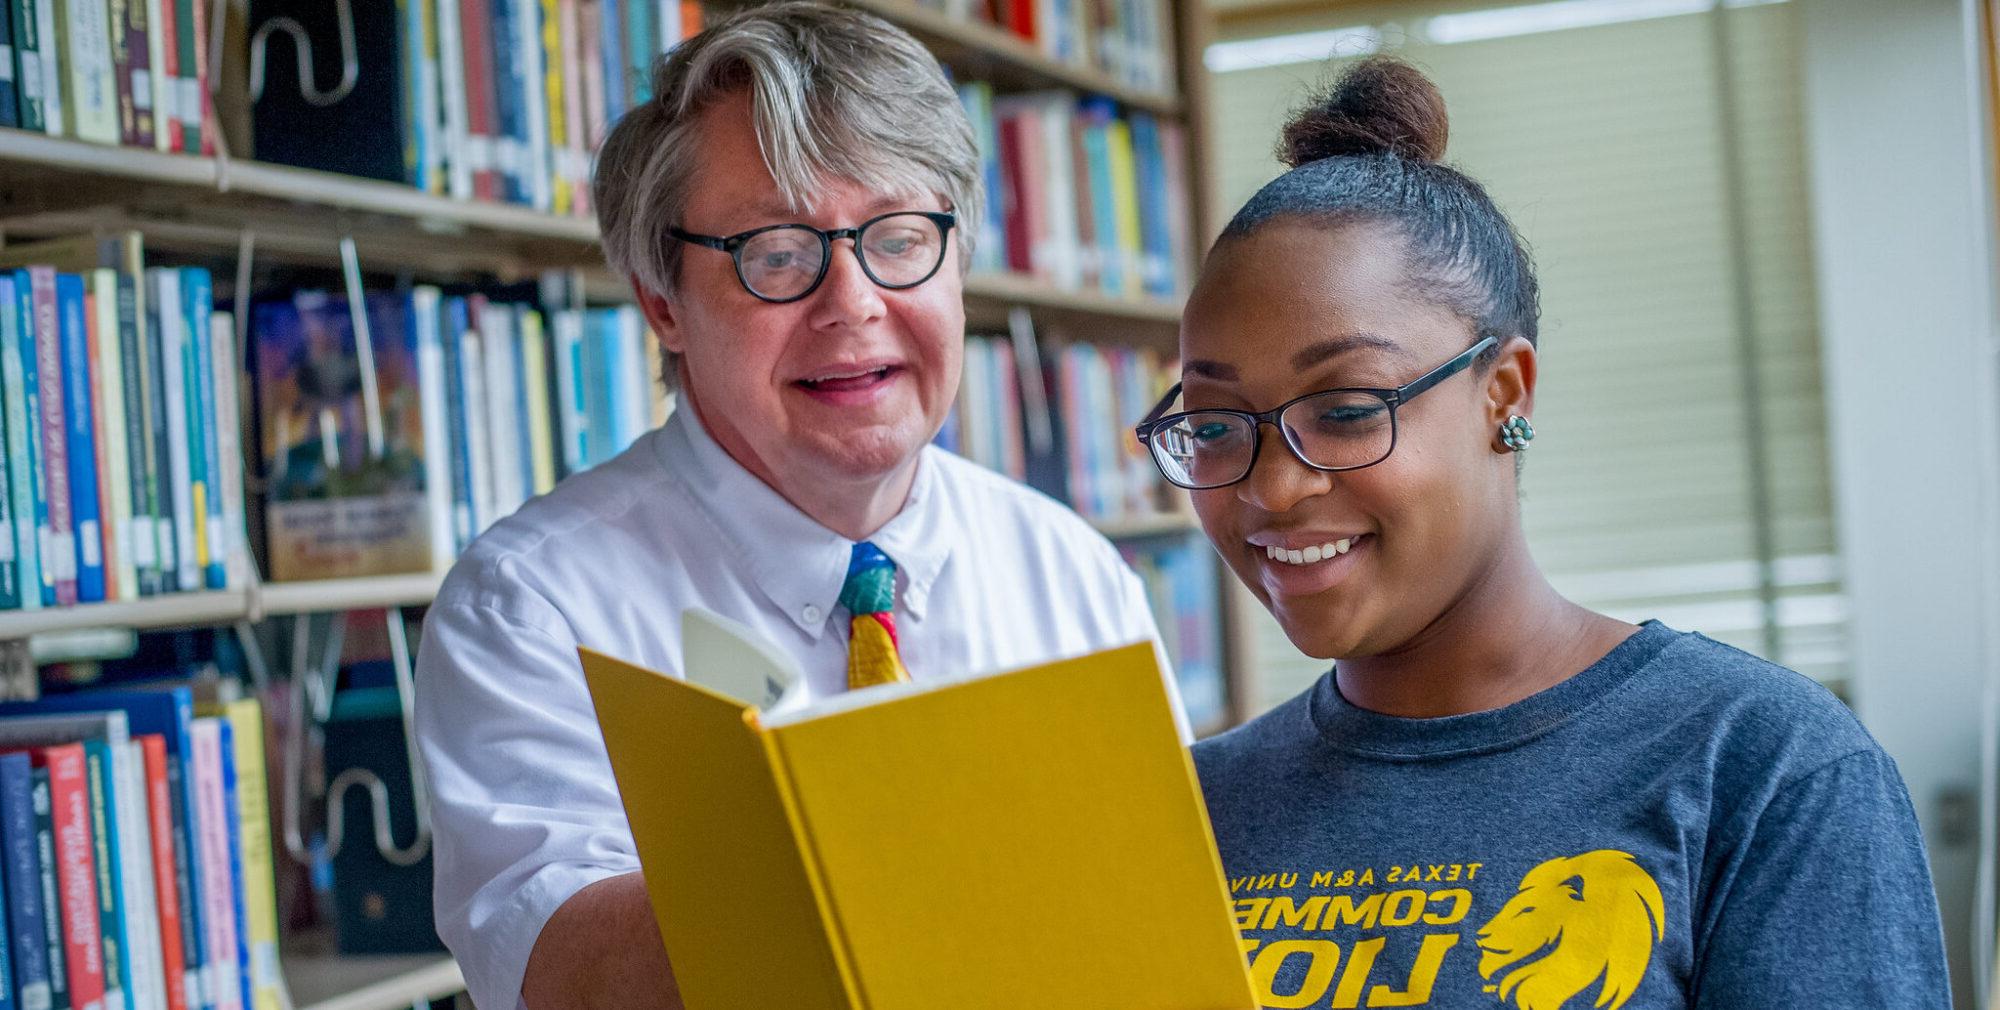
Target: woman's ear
661,318
1510,383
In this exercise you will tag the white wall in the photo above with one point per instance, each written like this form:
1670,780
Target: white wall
1897,136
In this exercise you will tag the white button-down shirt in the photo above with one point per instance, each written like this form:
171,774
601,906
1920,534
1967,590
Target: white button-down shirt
989,575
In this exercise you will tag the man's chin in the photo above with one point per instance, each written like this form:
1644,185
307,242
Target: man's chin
866,454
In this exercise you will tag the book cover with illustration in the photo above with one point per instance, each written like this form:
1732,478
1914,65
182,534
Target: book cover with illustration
340,501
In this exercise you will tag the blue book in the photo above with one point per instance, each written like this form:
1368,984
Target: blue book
79,417
45,853
10,97
237,903
118,990
23,414
198,296
611,50
168,713
1157,262
642,43
604,398
464,508
509,101
27,926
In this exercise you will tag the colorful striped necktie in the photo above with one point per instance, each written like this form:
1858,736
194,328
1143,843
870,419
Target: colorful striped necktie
870,596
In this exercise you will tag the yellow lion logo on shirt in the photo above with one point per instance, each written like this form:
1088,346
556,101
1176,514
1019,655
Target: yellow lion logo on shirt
1581,918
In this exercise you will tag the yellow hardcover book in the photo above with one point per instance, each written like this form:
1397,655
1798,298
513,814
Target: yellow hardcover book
253,808
1029,839
535,369
552,77
1125,200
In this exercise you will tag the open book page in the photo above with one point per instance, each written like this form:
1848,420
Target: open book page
730,659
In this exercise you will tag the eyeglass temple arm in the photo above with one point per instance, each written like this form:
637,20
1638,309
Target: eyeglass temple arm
1448,369
1144,429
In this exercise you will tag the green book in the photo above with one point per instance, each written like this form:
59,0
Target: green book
28,72
110,882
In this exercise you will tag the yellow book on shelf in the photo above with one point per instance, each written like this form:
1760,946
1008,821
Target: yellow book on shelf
253,809
1028,839
1125,200
541,436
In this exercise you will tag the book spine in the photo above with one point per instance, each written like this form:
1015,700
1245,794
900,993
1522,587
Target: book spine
611,60
187,878
522,418
555,98
114,314
10,92
95,311
200,299
21,529
473,369
641,42
14,585
233,839
541,437
167,29
76,875
575,151
434,412
200,107
452,81
527,24
160,84
92,82
232,535
475,22
137,75
254,859
430,100
463,519
503,438
54,934
569,389
54,110
173,384
26,922
119,13
81,443
59,545
35,517
135,848
218,911
590,34
138,536
153,442
187,82
160,817
510,120
28,56
108,879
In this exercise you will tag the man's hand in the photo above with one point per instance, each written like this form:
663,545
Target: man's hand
602,949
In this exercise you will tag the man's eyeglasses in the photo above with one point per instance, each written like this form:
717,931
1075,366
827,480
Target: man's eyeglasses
1332,430
786,262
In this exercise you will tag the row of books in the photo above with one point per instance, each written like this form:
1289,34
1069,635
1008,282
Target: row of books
131,72
480,404
1184,590
135,854
1064,427
1081,196
496,100
120,460
1131,40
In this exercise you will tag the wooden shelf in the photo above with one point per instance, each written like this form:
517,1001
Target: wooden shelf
171,611
987,52
320,979
279,599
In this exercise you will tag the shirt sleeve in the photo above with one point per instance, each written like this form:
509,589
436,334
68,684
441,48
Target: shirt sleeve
524,809
1830,903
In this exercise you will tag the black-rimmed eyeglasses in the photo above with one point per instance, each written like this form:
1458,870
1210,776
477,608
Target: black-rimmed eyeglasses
786,262
1332,430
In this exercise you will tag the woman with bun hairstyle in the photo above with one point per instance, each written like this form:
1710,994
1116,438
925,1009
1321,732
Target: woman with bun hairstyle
1495,798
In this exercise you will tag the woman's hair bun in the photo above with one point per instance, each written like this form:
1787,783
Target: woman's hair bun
1378,106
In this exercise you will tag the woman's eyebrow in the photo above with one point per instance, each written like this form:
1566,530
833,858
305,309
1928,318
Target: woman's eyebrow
1313,354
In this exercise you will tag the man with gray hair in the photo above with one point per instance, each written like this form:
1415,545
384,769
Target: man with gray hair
793,207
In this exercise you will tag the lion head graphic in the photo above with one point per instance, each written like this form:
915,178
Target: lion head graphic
1575,920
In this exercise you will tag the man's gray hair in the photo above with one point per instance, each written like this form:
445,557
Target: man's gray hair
836,94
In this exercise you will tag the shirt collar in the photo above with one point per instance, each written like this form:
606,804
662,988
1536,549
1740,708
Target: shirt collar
798,564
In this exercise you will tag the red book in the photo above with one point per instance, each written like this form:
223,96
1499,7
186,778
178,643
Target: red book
76,872
1013,203
1021,18
159,811
59,545
167,117
476,25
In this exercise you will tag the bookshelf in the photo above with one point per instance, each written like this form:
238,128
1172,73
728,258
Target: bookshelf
199,205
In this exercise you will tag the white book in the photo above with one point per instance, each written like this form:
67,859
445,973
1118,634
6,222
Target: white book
669,24
166,117
233,534
115,483
1065,242
173,373
434,415
218,870
503,429
527,22
638,417
147,980
473,364
92,79
451,70
52,82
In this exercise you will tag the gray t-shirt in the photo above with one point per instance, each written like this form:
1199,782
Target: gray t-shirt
1680,825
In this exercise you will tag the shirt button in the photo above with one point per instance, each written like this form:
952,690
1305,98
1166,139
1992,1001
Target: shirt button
812,614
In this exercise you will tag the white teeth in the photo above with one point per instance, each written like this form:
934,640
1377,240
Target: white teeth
1344,546
1329,552
1296,557
1312,554
1271,552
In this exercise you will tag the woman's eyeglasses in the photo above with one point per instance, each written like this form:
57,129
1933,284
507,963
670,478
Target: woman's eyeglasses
1332,430
786,262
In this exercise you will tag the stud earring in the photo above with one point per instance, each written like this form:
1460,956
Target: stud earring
1517,433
